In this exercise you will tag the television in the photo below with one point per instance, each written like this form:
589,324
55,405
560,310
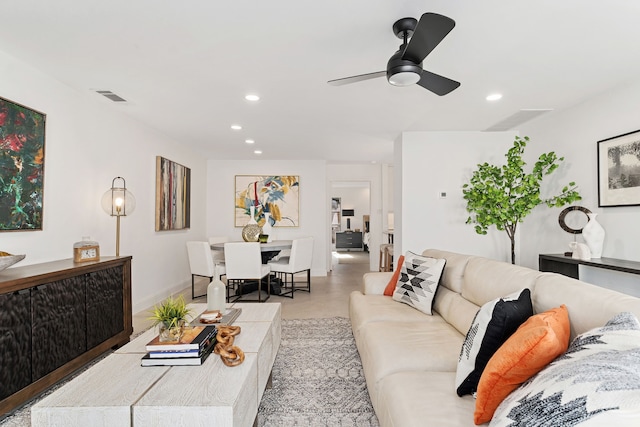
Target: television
348,212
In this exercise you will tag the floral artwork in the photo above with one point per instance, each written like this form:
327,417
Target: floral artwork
21,167
277,195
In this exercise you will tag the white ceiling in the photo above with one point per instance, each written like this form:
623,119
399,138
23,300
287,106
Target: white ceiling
185,66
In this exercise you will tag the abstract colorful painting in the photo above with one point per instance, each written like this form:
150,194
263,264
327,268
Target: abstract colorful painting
173,195
21,167
277,194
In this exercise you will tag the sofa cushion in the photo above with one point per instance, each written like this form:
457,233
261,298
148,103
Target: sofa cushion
589,306
391,286
365,309
533,346
493,324
421,398
418,282
597,379
453,274
454,309
487,279
389,347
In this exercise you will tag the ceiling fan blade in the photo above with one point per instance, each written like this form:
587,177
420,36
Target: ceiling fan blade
437,84
354,79
429,32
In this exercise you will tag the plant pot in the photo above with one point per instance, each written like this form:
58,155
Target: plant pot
171,333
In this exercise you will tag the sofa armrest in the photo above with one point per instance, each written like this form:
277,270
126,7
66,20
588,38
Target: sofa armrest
374,283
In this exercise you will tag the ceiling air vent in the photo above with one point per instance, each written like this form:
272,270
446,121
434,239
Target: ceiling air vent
516,119
112,96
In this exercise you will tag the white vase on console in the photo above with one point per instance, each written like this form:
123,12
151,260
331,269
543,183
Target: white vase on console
593,235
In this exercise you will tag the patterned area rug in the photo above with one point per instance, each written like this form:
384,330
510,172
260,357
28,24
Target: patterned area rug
317,378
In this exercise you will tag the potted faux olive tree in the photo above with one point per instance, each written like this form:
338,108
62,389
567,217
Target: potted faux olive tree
170,316
504,195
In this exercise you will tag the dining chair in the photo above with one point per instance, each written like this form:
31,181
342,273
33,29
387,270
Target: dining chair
299,261
218,255
244,265
200,263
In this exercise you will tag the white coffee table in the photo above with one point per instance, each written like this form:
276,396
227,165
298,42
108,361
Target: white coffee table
117,391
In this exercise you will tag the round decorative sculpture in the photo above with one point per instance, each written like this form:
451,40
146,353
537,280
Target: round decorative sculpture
563,214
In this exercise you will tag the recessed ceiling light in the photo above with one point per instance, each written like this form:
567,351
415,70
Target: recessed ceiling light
252,97
249,141
236,127
257,152
494,97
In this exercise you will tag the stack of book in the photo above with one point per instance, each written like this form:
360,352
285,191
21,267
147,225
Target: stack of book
193,349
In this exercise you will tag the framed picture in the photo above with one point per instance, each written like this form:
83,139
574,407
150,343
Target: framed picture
619,170
277,194
173,195
21,167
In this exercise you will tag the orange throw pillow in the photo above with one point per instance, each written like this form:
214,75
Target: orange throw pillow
391,286
533,346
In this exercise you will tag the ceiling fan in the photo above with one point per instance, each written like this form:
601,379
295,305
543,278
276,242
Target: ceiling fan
404,68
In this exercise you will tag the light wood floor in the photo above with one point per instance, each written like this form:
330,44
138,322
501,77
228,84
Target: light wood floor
329,295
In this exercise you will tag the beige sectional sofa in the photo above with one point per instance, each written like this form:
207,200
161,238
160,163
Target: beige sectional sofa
410,358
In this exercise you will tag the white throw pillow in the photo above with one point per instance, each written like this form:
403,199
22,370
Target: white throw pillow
496,321
595,383
418,281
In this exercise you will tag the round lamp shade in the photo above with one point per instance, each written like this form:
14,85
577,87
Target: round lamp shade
118,201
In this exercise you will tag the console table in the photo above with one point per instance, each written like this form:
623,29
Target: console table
57,316
559,263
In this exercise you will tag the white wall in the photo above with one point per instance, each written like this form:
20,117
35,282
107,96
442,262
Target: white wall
361,172
314,211
88,143
574,133
427,163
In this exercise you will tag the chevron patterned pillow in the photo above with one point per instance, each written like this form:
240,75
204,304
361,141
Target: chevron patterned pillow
595,383
418,281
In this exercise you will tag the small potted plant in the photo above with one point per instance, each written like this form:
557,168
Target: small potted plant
170,315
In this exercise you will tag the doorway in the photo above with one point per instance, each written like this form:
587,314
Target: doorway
350,222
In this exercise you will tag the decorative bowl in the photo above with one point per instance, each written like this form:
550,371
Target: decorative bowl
9,260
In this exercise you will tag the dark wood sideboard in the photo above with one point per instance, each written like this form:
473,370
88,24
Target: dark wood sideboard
349,240
57,316
559,263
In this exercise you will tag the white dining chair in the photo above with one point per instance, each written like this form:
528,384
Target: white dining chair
243,264
200,263
299,261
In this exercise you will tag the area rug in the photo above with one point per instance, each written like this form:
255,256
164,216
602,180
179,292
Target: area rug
317,378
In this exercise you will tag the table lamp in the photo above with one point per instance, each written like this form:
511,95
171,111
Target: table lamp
118,201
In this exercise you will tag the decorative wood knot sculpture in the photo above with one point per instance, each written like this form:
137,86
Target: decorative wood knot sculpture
230,354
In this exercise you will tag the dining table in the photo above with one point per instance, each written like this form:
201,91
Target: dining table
268,250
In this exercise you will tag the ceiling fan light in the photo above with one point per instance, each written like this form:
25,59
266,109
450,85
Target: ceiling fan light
404,78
